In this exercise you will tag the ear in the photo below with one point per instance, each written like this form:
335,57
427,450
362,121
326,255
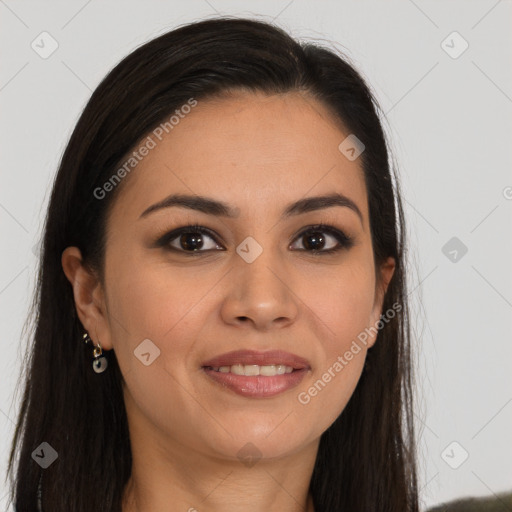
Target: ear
387,269
89,297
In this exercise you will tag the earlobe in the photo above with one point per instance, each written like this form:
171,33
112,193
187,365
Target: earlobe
387,271
87,295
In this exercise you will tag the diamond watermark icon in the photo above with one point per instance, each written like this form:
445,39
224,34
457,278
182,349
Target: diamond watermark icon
147,352
44,455
454,45
249,455
249,249
454,249
351,147
454,455
36,250
44,45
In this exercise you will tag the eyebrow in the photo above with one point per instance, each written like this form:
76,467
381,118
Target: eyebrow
213,207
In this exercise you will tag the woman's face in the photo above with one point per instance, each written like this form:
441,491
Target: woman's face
252,283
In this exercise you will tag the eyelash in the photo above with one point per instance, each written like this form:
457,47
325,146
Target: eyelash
344,241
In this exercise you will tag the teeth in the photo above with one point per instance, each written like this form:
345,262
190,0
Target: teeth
254,369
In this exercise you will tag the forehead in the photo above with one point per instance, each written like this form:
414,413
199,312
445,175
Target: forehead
251,150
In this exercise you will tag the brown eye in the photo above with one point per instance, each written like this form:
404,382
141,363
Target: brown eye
190,239
324,239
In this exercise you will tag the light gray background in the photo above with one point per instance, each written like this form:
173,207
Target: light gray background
450,123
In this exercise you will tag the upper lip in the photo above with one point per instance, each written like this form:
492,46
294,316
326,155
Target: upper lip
258,358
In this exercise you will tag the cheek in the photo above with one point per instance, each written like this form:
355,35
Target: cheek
328,392
345,308
343,305
153,295
342,302
149,302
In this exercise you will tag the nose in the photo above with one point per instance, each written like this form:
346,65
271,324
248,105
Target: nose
260,294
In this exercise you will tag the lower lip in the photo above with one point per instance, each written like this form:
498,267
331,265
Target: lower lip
257,386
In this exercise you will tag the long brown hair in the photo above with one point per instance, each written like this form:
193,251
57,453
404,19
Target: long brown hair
367,458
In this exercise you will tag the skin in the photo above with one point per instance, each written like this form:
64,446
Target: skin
258,153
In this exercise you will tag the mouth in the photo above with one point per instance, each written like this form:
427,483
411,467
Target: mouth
251,370
257,374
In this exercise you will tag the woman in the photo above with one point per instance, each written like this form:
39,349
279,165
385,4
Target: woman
222,317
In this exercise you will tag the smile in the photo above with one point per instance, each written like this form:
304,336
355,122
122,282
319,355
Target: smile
254,385
255,374
254,369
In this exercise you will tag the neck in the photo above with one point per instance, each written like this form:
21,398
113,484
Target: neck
196,484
